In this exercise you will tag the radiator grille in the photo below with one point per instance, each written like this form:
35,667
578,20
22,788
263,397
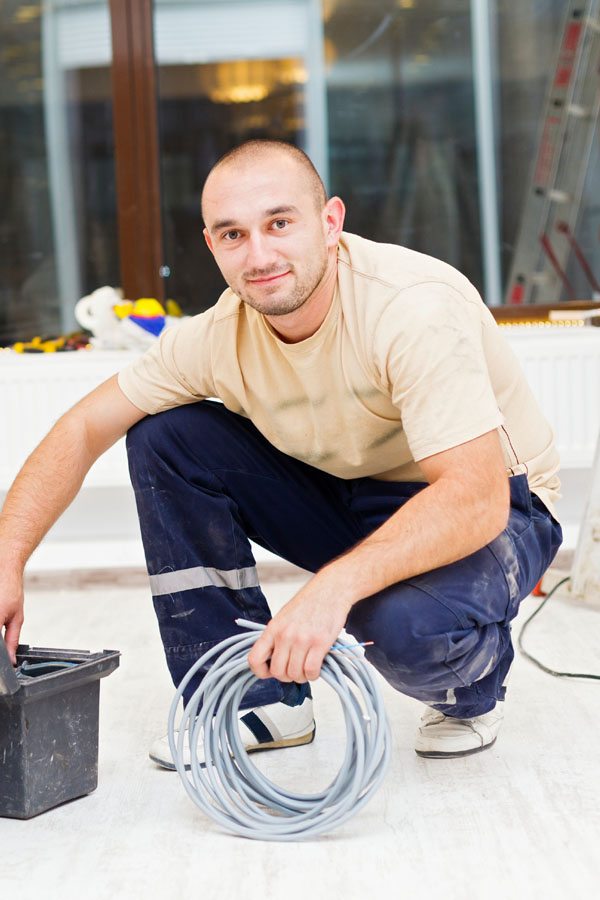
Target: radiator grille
562,367
36,390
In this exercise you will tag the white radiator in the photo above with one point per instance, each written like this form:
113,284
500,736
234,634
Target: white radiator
36,389
100,528
562,366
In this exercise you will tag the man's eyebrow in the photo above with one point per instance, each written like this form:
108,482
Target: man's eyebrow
223,223
274,211
278,210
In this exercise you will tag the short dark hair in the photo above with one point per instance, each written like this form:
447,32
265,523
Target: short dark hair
261,146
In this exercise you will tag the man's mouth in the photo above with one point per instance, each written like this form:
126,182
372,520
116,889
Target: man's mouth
268,279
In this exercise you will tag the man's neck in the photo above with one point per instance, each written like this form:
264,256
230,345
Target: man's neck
305,321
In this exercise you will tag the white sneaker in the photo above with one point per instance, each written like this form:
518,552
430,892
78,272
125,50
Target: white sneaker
441,736
263,728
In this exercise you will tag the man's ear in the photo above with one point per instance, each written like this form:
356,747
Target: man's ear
208,240
334,213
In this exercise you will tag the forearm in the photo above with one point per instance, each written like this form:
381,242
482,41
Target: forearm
464,507
436,527
45,486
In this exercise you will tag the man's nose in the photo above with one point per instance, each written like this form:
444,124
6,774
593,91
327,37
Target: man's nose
259,254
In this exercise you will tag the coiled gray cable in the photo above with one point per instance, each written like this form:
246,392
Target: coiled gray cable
231,790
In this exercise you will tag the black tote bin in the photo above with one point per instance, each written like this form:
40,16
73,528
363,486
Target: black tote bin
49,711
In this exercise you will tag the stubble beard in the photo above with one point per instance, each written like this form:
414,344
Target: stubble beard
296,298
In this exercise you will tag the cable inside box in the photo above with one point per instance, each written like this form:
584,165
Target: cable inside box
46,667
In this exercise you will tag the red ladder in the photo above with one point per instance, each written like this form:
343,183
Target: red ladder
547,232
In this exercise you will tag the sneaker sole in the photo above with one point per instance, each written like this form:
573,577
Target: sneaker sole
271,745
439,754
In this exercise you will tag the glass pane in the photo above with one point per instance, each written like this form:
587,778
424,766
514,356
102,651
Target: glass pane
227,71
221,104
58,235
401,124
528,40
379,94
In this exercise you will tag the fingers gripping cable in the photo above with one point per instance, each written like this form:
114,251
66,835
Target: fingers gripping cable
231,790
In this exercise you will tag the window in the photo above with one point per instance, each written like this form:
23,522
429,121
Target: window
105,143
57,222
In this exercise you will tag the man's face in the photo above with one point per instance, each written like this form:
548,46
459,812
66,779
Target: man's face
266,232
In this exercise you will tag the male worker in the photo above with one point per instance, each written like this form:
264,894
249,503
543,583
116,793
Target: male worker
374,429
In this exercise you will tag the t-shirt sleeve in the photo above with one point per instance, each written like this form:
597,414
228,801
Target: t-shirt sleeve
174,371
429,352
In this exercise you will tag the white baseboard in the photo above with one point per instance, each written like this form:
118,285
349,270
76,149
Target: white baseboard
54,556
100,529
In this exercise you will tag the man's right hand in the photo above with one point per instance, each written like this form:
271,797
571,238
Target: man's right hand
11,610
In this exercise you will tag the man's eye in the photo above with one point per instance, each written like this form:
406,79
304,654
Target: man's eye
231,235
280,224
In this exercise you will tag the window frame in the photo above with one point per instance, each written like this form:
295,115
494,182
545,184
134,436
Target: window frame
135,117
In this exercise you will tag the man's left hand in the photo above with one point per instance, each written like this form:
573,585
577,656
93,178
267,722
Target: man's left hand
296,640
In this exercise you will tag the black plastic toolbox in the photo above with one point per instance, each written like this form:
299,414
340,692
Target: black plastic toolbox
49,726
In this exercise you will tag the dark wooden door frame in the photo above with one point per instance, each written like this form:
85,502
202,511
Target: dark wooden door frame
135,118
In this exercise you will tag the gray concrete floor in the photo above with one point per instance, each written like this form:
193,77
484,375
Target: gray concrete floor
520,820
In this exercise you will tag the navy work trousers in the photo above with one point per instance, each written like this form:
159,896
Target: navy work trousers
206,481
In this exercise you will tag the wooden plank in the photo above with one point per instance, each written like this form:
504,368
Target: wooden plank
538,311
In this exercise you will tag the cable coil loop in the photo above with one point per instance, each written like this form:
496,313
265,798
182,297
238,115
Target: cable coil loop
231,790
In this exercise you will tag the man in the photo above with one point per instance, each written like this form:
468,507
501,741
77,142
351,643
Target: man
374,429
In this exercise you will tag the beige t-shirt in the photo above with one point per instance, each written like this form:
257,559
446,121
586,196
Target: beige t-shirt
407,363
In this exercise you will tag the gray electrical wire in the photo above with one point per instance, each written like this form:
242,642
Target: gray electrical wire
231,790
